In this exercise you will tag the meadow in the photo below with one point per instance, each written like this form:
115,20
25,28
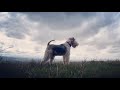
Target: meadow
82,69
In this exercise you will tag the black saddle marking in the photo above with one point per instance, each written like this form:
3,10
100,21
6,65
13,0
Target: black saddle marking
59,49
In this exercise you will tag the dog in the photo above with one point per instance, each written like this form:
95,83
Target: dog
59,50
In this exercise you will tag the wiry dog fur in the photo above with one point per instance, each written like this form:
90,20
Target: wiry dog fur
59,50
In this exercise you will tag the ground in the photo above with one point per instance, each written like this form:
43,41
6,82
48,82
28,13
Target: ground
83,69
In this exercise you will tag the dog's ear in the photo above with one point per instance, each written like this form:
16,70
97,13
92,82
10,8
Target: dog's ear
72,38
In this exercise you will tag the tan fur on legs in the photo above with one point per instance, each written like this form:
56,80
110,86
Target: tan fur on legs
51,59
46,57
67,59
64,59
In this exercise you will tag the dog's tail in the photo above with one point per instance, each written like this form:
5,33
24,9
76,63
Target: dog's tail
50,41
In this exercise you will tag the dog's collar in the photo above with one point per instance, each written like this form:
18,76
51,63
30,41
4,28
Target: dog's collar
69,44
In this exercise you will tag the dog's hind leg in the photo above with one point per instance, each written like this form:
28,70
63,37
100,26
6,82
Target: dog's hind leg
51,59
46,57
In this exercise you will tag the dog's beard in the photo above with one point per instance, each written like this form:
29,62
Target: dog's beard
74,46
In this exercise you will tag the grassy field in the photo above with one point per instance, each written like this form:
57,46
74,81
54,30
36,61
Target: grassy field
84,69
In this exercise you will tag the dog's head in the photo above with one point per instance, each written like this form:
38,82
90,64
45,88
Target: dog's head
73,42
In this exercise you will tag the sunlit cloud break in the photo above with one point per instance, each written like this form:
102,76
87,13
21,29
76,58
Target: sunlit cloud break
98,33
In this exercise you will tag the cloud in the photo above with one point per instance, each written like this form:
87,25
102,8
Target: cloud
15,26
4,16
80,25
98,33
60,20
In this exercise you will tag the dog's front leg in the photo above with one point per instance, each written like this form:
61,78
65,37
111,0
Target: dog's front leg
67,59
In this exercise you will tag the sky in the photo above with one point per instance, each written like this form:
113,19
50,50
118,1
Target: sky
98,33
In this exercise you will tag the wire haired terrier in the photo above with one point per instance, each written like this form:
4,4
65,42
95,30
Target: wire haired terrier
59,50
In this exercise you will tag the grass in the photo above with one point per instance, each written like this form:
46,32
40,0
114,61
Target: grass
84,69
